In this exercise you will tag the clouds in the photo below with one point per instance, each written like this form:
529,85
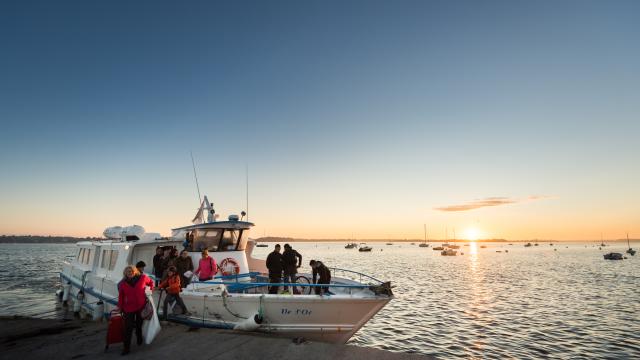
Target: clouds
490,201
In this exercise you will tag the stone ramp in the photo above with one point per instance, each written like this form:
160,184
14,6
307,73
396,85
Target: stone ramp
23,338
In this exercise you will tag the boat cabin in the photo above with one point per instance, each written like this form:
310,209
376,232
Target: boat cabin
215,236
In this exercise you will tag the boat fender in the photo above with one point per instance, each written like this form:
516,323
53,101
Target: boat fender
59,294
250,324
65,292
78,302
98,311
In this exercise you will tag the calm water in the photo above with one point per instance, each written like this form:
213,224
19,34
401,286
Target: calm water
527,303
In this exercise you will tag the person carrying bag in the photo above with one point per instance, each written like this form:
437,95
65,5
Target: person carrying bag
132,299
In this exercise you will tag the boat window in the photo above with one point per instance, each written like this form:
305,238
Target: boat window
113,257
206,239
80,253
231,240
88,256
104,262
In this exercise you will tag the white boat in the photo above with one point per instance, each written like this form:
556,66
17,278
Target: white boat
237,298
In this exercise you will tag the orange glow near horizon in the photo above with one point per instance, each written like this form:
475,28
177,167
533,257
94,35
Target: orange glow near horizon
472,234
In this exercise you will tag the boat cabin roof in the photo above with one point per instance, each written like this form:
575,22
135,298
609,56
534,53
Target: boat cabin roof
218,225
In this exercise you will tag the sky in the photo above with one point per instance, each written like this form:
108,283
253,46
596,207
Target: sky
355,119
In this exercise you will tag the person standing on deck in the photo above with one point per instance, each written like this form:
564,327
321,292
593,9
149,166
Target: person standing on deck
170,261
131,300
325,277
172,285
184,264
291,265
157,264
275,265
207,267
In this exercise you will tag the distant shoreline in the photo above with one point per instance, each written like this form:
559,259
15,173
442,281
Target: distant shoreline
31,239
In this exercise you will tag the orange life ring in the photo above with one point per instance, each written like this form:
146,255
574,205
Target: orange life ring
229,266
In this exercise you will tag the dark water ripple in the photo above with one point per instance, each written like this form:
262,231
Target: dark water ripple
529,303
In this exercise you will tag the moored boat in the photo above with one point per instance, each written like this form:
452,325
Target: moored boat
630,251
237,297
613,256
365,248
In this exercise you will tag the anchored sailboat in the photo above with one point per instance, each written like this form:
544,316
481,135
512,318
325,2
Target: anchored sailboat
630,251
424,244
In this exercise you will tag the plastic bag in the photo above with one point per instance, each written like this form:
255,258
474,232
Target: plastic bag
188,274
147,311
151,328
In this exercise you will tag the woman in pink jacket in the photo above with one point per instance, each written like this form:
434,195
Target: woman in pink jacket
207,267
131,301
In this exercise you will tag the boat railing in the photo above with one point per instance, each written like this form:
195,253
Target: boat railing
304,282
239,283
355,276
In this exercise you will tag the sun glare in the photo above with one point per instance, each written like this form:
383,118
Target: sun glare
472,234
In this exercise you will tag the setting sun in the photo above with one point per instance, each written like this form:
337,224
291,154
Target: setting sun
472,234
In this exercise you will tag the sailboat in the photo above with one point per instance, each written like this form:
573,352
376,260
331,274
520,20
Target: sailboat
454,246
424,244
630,251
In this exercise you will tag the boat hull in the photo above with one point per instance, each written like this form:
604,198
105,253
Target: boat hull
332,318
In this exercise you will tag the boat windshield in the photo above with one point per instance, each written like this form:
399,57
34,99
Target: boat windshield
218,240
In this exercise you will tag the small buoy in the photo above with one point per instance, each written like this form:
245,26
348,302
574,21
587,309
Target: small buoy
65,293
98,311
78,302
249,324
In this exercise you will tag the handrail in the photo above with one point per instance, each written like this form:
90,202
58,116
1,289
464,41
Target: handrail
357,273
360,286
252,275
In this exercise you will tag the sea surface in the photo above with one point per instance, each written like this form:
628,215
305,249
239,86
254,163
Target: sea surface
560,301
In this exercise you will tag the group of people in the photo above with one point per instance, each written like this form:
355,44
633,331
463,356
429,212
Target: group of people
287,264
172,273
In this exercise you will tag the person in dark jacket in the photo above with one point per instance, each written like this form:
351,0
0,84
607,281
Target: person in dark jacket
169,261
158,268
140,265
324,277
275,264
291,265
184,264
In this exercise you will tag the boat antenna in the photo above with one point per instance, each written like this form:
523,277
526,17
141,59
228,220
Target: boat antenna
247,189
195,175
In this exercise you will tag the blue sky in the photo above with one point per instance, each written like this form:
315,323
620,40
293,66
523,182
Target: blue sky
353,117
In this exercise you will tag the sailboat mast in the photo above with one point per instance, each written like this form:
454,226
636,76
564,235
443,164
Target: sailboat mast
425,233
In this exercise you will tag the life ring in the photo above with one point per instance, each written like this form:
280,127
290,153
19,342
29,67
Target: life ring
229,266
